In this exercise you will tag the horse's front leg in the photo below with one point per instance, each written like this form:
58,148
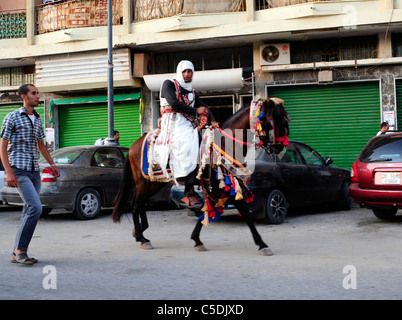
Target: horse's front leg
195,235
140,225
246,215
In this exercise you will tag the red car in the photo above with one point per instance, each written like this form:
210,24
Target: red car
377,176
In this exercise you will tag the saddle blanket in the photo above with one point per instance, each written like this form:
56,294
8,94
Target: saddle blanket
150,171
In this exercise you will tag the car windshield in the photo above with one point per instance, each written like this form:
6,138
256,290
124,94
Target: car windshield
63,156
387,149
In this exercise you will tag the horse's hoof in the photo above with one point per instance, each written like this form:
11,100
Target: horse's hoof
147,245
200,248
266,252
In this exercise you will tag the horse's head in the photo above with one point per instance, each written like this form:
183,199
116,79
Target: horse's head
273,122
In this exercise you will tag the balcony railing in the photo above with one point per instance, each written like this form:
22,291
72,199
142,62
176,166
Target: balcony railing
268,4
66,14
13,25
155,9
69,14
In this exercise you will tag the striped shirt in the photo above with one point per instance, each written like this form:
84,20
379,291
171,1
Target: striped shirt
22,150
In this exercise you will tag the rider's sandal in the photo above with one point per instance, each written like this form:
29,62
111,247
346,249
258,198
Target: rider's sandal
23,259
193,202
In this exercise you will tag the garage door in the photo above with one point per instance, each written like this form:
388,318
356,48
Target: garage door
84,123
399,104
9,107
337,120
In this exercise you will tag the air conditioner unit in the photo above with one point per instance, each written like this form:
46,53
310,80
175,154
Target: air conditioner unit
143,64
276,53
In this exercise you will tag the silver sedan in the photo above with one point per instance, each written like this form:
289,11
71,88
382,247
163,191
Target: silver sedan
89,179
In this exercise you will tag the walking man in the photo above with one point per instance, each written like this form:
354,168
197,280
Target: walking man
21,141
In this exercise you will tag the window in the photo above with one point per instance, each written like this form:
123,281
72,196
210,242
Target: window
108,157
397,45
310,156
336,49
288,155
207,59
383,149
220,106
64,156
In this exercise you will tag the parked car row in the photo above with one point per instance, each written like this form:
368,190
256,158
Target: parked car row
377,176
89,179
296,177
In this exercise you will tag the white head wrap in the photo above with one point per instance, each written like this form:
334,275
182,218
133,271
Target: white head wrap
184,65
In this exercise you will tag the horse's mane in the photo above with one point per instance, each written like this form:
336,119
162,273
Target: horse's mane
233,119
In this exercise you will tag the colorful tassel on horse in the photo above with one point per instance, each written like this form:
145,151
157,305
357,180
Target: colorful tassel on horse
220,177
221,202
205,207
249,196
258,129
260,114
239,196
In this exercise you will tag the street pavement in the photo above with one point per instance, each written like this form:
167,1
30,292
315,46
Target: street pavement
341,255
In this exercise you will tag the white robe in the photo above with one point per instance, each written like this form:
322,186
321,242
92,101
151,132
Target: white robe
178,140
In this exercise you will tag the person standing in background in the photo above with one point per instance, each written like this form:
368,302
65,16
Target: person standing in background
384,128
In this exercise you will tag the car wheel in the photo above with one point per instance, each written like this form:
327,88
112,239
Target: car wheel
276,207
385,213
87,204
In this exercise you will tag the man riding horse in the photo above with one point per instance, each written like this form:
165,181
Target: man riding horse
178,141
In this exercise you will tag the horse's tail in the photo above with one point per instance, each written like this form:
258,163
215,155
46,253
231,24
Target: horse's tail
127,188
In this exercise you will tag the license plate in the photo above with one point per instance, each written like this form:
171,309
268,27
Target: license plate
391,178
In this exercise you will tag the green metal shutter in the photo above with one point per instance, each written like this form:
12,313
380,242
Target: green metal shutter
7,108
398,89
83,124
337,120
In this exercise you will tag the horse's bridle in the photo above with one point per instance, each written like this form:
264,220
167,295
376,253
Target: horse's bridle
234,139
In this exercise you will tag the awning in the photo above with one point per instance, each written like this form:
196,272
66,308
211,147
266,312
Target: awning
116,98
203,80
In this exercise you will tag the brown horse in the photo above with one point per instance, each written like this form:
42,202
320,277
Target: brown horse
135,189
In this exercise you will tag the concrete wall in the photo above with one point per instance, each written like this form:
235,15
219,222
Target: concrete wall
6,5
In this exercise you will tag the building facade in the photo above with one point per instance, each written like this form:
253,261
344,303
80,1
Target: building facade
337,64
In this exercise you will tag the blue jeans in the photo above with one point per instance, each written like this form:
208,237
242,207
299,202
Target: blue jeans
28,187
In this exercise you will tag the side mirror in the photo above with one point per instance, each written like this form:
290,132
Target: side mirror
328,160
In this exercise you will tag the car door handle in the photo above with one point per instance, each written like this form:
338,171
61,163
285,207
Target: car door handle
286,171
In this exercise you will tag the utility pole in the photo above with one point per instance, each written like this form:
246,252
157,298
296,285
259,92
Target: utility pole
110,102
